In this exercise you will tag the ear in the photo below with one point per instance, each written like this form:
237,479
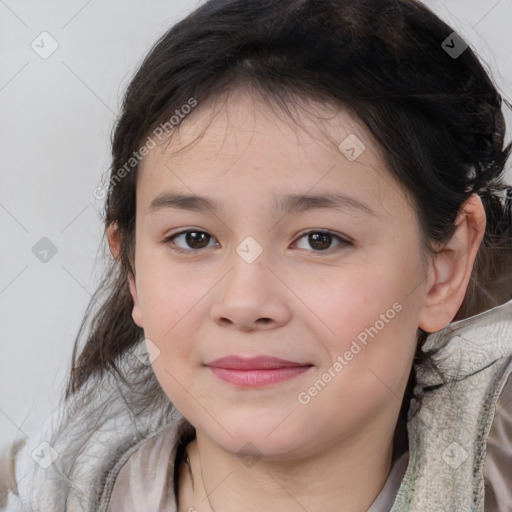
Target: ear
114,243
451,268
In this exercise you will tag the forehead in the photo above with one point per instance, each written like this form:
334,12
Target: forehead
241,144
239,112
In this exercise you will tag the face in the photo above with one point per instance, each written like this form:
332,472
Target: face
334,287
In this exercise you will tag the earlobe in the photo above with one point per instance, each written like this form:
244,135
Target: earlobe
452,267
136,311
114,241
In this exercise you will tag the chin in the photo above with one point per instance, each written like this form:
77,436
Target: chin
251,440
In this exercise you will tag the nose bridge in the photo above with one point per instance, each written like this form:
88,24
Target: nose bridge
249,263
250,294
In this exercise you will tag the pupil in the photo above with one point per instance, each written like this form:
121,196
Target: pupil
325,237
192,238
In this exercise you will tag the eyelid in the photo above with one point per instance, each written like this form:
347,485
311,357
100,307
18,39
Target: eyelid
168,239
344,240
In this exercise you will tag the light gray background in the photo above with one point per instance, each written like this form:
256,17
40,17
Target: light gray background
56,118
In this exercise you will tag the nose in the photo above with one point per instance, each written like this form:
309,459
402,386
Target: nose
251,297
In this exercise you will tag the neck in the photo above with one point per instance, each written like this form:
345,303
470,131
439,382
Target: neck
352,472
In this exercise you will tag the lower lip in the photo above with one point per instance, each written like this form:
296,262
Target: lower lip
253,378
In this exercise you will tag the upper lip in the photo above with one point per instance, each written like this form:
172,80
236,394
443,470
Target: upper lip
253,363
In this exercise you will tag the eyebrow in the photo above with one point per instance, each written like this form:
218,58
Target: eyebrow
289,203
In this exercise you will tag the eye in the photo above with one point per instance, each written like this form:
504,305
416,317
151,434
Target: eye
194,239
321,240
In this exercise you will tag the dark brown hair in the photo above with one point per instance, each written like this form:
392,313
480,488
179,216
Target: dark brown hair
437,119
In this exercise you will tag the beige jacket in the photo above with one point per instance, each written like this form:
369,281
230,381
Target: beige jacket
111,451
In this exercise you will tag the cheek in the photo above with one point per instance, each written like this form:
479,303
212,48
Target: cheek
369,364
169,297
369,321
354,304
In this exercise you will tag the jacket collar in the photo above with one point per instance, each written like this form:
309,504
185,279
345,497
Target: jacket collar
467,347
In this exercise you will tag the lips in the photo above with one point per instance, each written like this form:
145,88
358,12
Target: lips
253,363
256,371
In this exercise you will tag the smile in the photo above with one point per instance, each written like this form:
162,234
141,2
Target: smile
256,371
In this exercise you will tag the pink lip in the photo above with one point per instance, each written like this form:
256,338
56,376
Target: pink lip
256,371
253,363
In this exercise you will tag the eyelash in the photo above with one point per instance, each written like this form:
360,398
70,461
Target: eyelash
343,242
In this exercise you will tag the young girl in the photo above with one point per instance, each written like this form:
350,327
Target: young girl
309,306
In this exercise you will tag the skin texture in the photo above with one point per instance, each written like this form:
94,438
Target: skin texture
294,301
